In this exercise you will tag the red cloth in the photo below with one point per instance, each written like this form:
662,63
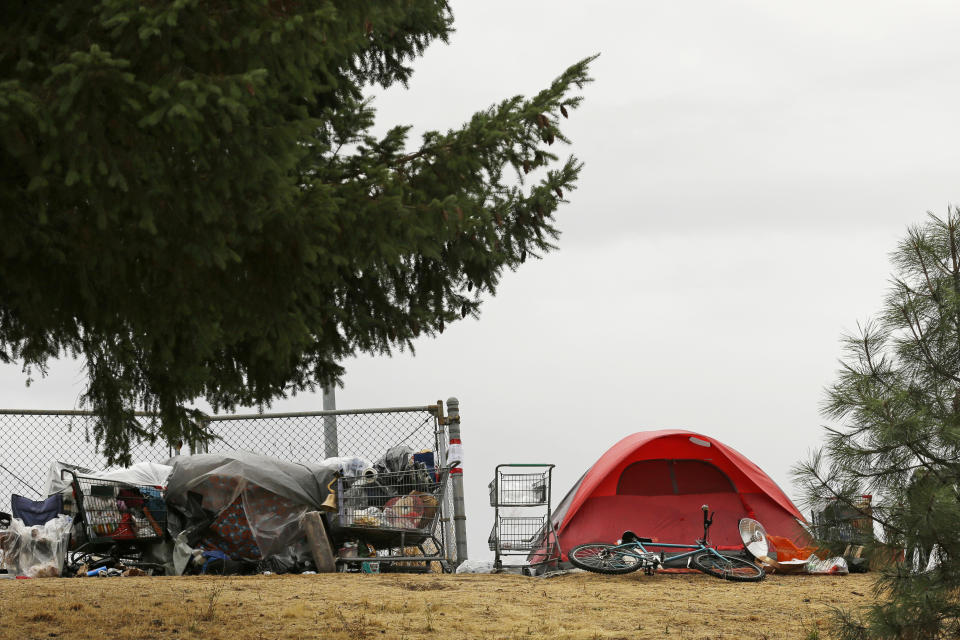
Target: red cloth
124,530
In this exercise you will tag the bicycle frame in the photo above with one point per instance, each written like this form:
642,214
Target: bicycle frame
627,549
700,546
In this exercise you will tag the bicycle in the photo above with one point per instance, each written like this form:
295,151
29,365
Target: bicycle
631,554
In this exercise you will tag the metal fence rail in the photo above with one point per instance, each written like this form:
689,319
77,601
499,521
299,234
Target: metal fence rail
30,440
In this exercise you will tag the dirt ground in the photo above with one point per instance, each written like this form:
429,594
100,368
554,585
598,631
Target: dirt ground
360,607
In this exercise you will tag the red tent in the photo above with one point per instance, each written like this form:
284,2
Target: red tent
654,483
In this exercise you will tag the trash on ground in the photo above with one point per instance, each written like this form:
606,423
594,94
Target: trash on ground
828,566
476,566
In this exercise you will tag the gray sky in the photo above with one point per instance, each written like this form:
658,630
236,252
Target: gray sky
749,167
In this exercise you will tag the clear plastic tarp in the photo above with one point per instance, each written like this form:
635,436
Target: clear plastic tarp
254,503
37,551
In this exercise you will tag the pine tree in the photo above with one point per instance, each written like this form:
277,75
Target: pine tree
191,200
896,436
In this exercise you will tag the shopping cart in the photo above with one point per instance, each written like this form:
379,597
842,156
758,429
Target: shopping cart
520,495
393,517
116,521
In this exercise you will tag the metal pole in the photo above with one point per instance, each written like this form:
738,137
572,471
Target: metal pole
330,446
456,476
446,515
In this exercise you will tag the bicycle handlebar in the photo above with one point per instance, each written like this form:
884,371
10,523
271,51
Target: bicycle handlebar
707,521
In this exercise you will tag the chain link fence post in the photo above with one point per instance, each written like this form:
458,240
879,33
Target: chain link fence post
456,475
331,447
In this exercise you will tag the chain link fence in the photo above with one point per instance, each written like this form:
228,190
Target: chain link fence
30,440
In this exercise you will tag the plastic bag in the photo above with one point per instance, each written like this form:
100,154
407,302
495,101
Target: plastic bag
397,458
404,512
279,564
475,566
351,466
833,566
37,551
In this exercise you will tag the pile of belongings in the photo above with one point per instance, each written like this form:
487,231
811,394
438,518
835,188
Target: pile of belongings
128,506
241,512
35,540
234,512
399,492
783,555
36,550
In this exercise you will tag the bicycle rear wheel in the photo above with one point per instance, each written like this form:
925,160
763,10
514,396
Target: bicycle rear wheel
605,558
728,567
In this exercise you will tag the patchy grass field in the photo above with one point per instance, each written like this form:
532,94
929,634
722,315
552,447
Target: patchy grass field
361,607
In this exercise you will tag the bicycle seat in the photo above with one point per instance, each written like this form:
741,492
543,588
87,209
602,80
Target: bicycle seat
630,536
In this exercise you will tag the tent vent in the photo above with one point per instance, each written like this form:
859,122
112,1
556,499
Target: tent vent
702,443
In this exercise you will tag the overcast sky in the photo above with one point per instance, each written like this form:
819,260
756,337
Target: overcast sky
748,168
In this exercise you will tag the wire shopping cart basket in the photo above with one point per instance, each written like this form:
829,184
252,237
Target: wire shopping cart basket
395,513
520,495
116,518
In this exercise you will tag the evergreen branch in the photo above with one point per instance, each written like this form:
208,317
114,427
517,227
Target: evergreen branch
917,331
810,471
159,196
899,437
926,274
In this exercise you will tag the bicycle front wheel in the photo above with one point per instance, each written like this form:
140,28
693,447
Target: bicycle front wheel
600,557
728,567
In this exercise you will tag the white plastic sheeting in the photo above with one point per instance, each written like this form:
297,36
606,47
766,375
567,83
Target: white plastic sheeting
476,566
152,474
351,466
143,473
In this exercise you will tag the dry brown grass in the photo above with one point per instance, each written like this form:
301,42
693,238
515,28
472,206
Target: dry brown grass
363,607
